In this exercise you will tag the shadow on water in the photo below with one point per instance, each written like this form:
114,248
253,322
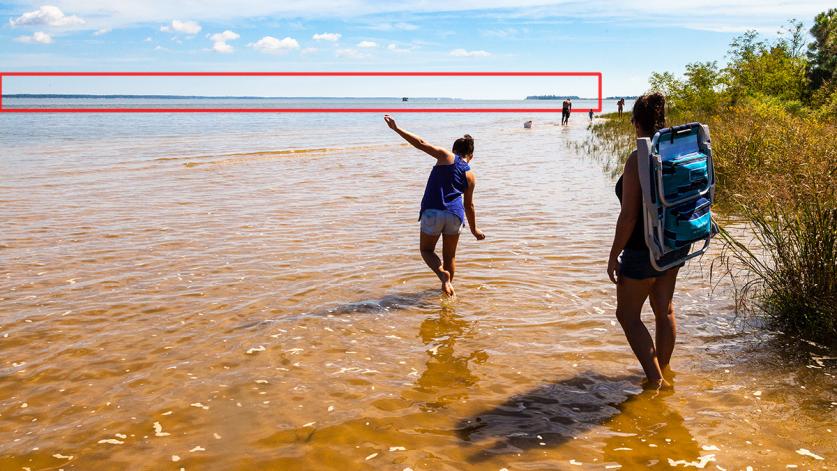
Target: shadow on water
387,303
390,302
639,428
551,414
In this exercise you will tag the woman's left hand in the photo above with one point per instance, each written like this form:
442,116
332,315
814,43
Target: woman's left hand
613,270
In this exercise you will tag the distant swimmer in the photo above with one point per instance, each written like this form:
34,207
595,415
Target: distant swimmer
442,208
527,124
620,105
566,109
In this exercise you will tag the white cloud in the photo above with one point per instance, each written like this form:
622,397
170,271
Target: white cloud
309,50
394,48
503,33
349,54
186,27
271,45
219,41
466,53
401,26
47,15
102,31
326,37
367,44
38,37
222,48
225,36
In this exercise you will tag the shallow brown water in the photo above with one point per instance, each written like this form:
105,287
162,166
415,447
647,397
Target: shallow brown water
192,301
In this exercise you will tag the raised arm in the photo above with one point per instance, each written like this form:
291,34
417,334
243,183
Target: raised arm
470,209
419,143
628,215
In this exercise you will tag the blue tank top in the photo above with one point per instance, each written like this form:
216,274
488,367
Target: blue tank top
445,187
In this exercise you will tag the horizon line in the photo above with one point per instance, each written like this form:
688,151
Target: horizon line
249,97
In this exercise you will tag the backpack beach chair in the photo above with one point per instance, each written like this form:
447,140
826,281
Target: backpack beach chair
678,187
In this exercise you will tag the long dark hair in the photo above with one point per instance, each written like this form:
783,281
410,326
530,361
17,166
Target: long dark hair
650,112
463,146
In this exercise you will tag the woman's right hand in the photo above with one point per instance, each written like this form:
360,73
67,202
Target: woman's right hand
613,269
390,122
480,235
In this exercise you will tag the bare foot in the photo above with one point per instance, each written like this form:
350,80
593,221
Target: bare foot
447,286
658,385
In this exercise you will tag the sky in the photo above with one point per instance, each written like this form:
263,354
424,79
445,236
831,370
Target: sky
625,40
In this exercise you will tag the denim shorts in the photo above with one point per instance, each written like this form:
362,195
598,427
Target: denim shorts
436,221
636,263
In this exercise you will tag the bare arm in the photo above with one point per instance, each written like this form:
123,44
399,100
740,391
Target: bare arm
419,143
628,216
470,209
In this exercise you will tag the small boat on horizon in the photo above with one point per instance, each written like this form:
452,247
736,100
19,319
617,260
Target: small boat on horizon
404,99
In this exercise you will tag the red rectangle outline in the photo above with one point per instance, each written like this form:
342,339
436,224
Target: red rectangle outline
598,76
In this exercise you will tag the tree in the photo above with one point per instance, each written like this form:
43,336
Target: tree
758,68
822,52
668,85
702,87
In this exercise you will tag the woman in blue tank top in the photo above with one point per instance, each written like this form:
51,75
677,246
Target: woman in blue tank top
448,198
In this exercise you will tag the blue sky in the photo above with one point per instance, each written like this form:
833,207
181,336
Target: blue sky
625,40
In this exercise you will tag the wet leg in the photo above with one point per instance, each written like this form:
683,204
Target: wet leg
427,246
662,292
630,296
449,243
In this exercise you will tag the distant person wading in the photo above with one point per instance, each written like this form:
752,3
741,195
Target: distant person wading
566,109
448,198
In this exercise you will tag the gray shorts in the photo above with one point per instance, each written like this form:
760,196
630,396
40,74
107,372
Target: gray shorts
636,264
435,222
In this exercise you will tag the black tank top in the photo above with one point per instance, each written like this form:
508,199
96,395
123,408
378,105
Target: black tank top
637,239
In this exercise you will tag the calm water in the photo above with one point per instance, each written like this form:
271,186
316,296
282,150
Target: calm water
245,292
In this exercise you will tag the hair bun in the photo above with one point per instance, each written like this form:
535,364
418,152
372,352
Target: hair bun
656,98
464,145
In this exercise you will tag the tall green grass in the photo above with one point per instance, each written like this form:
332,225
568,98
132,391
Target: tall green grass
787,273
777,172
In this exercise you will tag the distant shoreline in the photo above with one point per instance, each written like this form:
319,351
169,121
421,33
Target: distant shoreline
210,97
206,97
556,97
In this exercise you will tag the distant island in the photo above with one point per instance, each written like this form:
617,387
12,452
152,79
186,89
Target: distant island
553,97
576,97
